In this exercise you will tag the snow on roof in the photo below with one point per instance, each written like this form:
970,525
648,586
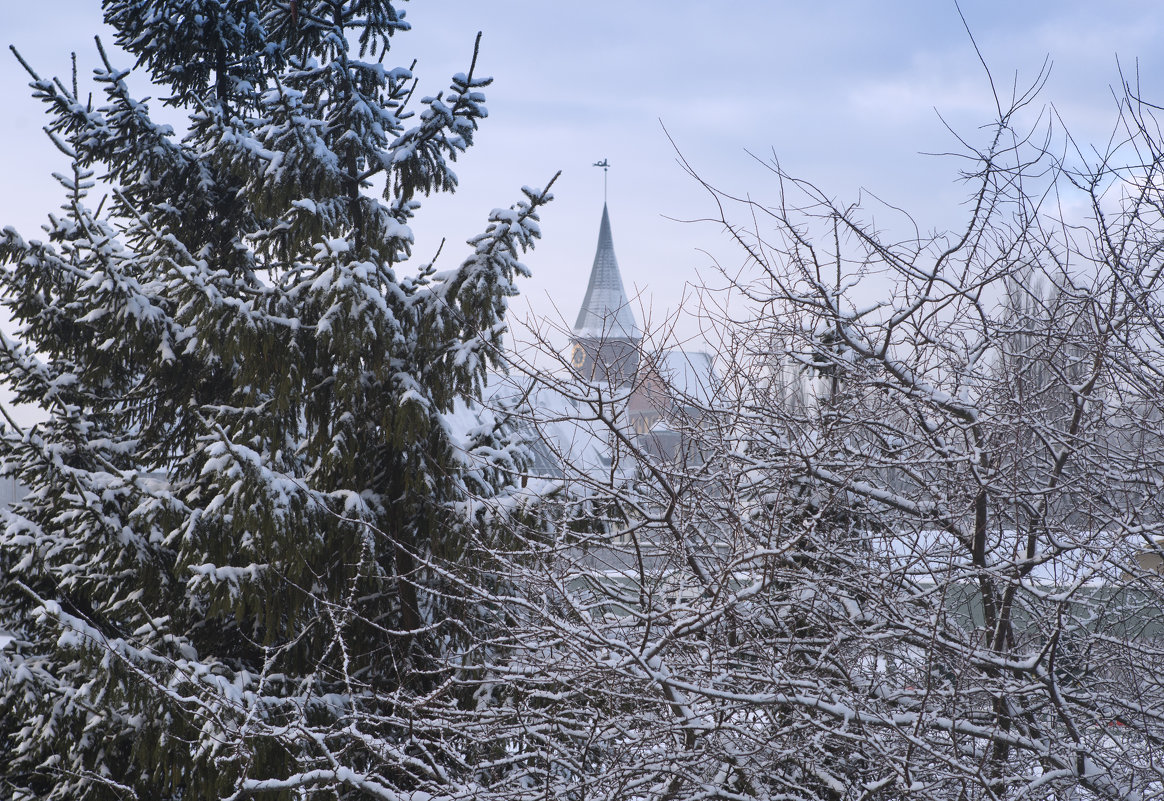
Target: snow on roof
562,436
688,374
605,311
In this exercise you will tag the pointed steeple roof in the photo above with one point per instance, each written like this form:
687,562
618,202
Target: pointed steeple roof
605,311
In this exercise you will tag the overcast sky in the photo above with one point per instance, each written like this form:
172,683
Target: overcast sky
845,92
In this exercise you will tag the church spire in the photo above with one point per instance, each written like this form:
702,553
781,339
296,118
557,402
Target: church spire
605,311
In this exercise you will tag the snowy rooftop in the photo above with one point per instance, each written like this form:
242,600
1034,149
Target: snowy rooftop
605,309
689,374
564,440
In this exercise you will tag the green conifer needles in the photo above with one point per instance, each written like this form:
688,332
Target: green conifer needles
240,560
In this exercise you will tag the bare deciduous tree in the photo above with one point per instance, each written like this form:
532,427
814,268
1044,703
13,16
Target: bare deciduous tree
911,546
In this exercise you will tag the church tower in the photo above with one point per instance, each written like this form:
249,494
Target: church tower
606,337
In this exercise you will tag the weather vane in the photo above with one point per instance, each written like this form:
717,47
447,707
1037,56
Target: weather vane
605,165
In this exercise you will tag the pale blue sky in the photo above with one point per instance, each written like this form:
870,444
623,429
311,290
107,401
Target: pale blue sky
844,92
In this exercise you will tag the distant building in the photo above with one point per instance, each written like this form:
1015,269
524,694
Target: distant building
653,395
606,338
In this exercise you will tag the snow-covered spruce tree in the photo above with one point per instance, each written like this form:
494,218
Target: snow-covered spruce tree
240,568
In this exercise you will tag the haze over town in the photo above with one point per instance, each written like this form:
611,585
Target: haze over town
847,94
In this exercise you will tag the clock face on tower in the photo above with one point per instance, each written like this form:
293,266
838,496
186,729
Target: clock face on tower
578,357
